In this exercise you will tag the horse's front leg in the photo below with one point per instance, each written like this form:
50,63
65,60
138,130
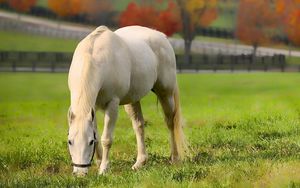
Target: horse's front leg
98,148
98,154
110,117
135,113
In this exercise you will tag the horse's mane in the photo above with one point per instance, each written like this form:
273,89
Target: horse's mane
85,76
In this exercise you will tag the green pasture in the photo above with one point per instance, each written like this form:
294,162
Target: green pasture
243,131
16,41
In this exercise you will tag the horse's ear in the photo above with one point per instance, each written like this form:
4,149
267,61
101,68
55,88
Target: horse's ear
71,115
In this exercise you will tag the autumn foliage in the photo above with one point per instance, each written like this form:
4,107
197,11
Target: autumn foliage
21,5
66,8
289,12
166,21
200,12
256,21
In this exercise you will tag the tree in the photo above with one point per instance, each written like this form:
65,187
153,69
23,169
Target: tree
166,21
138,15
185,16
289,12
256,22
21,5
195,13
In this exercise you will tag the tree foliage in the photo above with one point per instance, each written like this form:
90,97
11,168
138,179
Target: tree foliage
180,15
256,22
195,13
201,12
21,5
166,20
289,12
65,8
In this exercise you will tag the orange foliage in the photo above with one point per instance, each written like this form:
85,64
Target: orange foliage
95,6
169,20
65,8
136,15
289,11
201,12
207,17
21,5
166,21
256,18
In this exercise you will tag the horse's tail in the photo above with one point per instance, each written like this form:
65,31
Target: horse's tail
180,141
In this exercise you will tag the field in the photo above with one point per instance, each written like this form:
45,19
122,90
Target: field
16,41
243,131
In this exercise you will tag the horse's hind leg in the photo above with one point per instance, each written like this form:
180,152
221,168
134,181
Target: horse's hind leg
135,113
168,104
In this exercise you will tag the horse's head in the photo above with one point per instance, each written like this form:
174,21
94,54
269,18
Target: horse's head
82,140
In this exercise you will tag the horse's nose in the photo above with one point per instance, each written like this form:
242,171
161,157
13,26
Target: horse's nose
80,172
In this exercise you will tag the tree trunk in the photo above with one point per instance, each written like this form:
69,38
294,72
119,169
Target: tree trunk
187,32
254,52
187,51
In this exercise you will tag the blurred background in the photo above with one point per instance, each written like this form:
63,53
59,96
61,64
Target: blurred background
207,35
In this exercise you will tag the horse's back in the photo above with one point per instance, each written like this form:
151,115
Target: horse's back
163,54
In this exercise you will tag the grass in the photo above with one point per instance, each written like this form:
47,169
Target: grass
293,60
225,21
243,130
16,41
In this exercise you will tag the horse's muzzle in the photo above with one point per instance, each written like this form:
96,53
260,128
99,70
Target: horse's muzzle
79,171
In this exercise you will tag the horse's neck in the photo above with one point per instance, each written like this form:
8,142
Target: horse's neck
86,88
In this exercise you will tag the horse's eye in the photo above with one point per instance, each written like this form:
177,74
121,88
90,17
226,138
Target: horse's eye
70,142
91,142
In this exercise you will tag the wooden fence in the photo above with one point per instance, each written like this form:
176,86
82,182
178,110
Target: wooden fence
35,61
60,62
231,62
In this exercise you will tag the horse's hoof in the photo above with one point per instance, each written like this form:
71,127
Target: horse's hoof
102,172
136,166
175,159
139,164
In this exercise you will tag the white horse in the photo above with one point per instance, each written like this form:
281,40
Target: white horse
119,68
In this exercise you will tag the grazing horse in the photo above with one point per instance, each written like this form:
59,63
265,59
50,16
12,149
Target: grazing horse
119,68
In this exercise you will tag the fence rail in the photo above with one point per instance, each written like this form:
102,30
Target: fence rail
60,62
232,62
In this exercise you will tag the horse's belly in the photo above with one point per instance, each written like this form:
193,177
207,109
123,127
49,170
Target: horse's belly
142,80
135,95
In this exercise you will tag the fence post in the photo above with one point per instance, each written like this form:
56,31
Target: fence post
250,58
233,61
53,62
33,66
282,62
14,67
265,63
